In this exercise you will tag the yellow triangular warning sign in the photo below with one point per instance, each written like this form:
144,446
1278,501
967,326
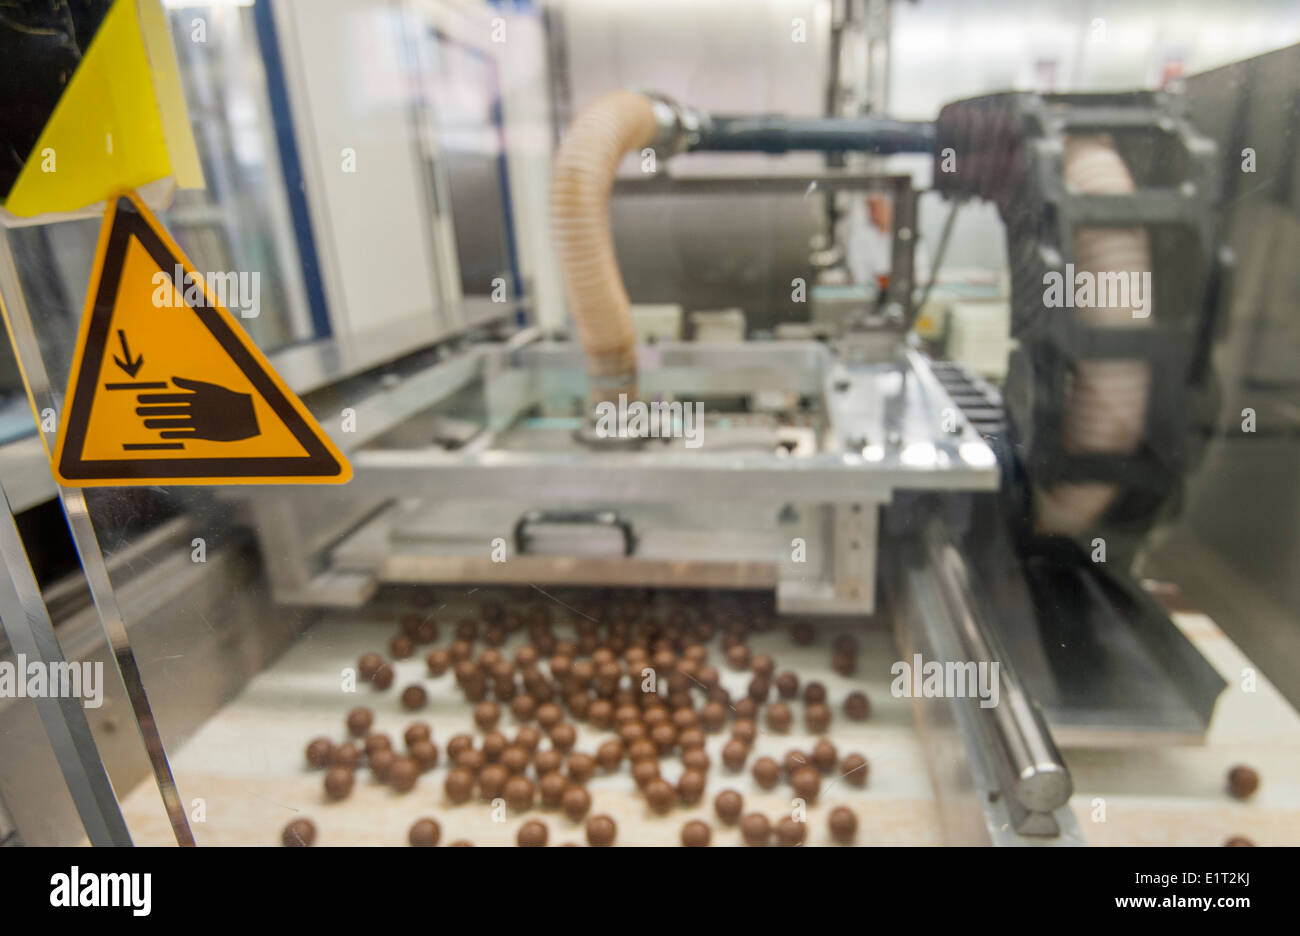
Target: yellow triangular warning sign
166,388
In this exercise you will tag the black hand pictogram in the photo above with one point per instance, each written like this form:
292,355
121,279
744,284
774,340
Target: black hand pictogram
209,412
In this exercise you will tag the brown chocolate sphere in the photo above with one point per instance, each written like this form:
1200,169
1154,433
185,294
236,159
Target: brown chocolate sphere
552,787
494,745
403,774
843,824
532,834
380,763
690,787
383,677
359,721
564,736
368,665
738,657
790,831
492,781
728,805
814,692
854,769
767,772
856,706
601,714
755,829
643,771
582,767
519,793
417,731
320,752
437,662
471,760
745,708
459,785
523,708
708,676
486,715
514,759
414,698
1239,841
664,737
763,665
696,834
660,795
425,754
824,755
806,783
457,744
401,647
794,759
549,715
817,717
410,624
610,754
690,739
1243,781
734,754
844,663
347,754
526,656
787,685
760,687
298,833
377,741
548,761
528,737
601,830
779,717
696,759
576,803
579,704
713,716
338,782
459,651
424,833
745,730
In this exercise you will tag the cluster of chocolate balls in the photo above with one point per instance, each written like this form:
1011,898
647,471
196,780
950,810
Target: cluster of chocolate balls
646,681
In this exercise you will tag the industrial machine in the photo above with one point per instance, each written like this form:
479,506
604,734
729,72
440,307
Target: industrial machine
829,468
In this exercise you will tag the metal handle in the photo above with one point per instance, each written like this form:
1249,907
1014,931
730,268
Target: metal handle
609,518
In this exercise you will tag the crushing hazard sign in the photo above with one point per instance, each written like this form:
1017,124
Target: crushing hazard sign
166,388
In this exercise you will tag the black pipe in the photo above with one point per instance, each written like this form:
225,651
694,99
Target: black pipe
776,134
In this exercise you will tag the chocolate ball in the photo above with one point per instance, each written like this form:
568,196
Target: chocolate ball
790,832
381,762
579,704
817,717
459,651
417,731
519,793
359,721
1243,781
635,740
532,834
1239,841
368,665
854,769
779,717
424,833
760,687
738,657
492,781
486,715
425,754
643,771
745,730
514,759
298,833
713,716
548,761
690,787
708,677
763,665
814,692
552,787
734,754
523,707
576,803
856,706
696,834
564,736
320,752
690,739
383,677
728,805
401,647
338,782
844,663
745,708
601,714
755,829
610,754
494,745
377,741
526,656
794,759
549,715
696,759
403,774
767,772
787,685
457,744
582,767
459,785
471,760
601,830
824,755
410,625
660,795
414,697
347,754
664,737
806,783
843,824
528,738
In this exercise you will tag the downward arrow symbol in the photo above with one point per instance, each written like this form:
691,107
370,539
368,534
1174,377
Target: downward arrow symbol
131,367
